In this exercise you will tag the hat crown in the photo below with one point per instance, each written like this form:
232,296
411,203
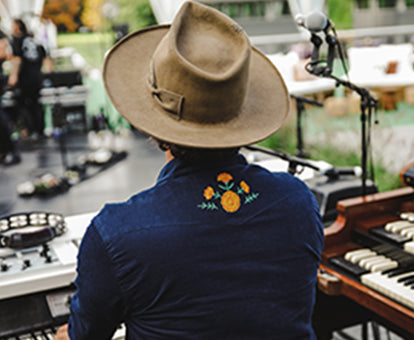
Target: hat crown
197,82
199,71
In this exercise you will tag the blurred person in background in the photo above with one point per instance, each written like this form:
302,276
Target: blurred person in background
26,77
8,149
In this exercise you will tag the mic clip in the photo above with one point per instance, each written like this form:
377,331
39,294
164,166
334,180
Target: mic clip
322,67
312,67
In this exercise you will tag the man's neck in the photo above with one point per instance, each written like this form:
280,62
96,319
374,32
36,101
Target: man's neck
168,156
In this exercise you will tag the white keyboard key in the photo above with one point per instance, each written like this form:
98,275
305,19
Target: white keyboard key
410,234
409,247
368,263
390,225
396,226
358,257
349,255
357,251
384,266
407,231
409,216
390,287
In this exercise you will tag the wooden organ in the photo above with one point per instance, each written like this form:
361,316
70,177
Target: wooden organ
368,263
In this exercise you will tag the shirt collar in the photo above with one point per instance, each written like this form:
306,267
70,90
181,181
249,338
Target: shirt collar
176,167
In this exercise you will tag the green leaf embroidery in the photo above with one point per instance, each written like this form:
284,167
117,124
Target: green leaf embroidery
208,206
251,198
226,187
216,195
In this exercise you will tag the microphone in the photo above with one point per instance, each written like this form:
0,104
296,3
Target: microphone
315,21
300,20
335,173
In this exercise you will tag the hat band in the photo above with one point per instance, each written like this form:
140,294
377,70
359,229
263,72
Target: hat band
168,100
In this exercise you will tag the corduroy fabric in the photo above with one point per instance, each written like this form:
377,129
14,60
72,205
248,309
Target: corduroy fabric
187,259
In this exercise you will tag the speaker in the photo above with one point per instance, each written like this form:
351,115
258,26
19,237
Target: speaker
72,117
62,78
329,191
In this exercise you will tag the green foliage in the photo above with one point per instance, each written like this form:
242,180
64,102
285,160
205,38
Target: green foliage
340,12
138,14
387,3
92,46
285,140
145,16
386,181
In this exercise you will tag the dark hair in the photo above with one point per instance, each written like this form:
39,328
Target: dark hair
22,26
197,155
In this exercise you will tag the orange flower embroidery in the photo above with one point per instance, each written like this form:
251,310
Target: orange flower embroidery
227,194
224,177
208,193
245,187
230,201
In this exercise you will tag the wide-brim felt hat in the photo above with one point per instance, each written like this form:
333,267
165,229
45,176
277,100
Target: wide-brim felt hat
197,82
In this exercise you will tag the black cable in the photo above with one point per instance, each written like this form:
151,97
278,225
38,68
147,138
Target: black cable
341,53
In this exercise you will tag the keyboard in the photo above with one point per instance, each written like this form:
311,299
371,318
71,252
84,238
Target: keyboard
384,268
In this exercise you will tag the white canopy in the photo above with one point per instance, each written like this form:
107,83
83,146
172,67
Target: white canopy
305,6
29,10
165,10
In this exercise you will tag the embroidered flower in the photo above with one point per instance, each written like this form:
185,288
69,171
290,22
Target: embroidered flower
230,201
245,187
208,193
227,194
224,177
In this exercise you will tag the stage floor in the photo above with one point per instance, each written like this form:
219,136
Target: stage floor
139,170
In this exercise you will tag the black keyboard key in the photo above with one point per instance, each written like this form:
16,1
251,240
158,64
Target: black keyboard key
397,255
383,249
347,266
404,278
399,270
409,281
395,238
407,262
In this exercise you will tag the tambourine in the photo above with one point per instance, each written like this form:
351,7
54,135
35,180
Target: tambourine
40,227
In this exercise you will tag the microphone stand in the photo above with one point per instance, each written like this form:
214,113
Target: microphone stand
61,132
367,101
312,67
367,104
300,101
292,161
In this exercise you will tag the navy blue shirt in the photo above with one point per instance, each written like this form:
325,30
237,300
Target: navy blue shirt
229,251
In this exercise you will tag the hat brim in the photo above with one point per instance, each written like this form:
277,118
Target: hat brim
125,75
